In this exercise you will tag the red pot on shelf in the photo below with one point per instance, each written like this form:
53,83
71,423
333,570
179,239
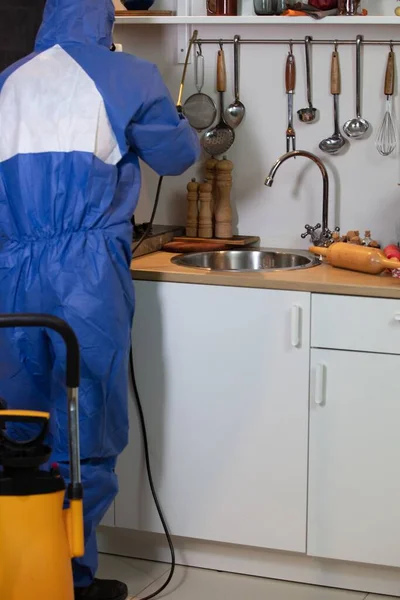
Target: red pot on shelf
324,4
222,8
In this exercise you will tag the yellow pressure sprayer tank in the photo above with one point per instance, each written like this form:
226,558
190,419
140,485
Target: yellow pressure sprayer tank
37,537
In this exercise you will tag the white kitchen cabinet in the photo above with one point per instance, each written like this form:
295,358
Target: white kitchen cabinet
223,375
352,323
354,471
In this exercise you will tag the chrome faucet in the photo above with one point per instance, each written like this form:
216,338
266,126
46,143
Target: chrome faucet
318,238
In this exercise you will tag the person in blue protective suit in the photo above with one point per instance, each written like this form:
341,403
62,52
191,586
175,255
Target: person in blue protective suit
75,118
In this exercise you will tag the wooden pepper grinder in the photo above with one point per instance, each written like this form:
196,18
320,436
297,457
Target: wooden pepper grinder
192,218
205,215
223,209
211,176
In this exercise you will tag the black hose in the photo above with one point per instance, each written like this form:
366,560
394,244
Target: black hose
153,214
151,483
144,429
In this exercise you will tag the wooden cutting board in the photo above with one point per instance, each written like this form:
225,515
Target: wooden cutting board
236,240
185,247
145,13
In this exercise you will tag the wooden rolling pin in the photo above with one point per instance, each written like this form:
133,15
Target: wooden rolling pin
356,258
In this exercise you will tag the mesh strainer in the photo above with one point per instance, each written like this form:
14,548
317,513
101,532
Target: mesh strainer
199,108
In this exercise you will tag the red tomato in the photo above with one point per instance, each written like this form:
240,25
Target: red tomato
392,251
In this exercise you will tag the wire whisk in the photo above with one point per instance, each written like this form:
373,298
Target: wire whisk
386,139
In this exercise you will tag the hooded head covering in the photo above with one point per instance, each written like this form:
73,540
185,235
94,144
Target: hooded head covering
76,22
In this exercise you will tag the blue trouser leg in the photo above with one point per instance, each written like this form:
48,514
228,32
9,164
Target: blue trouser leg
100,488
30,377
84,280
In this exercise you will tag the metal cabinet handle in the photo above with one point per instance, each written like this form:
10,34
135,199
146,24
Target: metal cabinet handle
320,378
295,334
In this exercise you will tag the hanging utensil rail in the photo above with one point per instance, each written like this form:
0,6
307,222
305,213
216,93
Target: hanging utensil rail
298,42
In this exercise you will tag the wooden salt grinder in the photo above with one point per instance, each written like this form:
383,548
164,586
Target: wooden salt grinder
192,208
205,215
210,166
223,210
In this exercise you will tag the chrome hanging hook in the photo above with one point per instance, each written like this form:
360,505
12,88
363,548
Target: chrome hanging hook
290,46
199,49
391,45
221,45
336,45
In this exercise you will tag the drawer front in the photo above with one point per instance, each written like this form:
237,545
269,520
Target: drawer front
354,323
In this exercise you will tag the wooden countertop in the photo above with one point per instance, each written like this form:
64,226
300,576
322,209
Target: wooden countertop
321,279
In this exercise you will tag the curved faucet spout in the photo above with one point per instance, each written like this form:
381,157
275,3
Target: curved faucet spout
325,235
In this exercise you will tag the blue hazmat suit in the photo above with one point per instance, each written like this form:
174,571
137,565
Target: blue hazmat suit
75,118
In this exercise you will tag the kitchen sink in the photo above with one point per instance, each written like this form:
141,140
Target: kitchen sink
247,260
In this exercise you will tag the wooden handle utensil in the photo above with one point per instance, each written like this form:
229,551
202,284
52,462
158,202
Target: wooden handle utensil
389,78
335,74
290,73
221,72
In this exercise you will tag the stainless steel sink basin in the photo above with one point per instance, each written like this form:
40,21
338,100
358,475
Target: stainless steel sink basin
247,260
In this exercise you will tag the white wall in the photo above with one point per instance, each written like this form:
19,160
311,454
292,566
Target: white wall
364,186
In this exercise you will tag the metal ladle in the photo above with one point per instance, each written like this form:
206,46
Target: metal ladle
336,141
308,115
235,112
357,127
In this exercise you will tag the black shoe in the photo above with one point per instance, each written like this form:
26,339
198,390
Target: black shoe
102,589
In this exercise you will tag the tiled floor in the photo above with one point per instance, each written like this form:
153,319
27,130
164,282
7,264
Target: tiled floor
144,577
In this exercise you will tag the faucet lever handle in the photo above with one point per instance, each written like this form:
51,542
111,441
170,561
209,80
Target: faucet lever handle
327,237
311,231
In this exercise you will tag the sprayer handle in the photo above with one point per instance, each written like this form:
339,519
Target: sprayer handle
56,324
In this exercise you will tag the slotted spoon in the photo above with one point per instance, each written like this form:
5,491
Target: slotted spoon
220,138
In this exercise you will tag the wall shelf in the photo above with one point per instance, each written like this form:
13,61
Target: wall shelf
254,20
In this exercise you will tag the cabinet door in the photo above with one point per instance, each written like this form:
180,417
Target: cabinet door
223,377
354,480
